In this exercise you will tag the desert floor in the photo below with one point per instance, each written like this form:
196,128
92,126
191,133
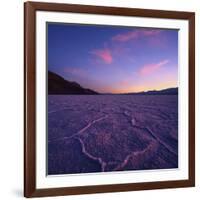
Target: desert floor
99,133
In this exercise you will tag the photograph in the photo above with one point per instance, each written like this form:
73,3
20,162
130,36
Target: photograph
109,99
112,98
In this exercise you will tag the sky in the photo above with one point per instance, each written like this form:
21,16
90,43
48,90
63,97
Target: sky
114,59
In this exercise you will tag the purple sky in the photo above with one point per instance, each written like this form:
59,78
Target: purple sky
111,59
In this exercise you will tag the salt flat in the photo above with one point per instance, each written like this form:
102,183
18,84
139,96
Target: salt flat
99,133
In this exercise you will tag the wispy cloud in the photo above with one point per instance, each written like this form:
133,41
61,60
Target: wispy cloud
104,54
150,32
150,68
113,48
126,36
131,35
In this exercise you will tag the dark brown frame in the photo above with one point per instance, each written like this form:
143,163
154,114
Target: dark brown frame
30,9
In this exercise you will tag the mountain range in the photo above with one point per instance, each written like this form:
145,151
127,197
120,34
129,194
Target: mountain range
168,91
58,85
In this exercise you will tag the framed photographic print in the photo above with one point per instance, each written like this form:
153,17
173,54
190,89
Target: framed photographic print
109,99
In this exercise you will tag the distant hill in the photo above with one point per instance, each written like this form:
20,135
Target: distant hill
58,85
168,91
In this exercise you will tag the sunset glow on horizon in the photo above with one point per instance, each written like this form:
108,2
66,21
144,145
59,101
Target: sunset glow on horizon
114,59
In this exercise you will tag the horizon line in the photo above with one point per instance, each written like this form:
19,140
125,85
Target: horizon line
110,93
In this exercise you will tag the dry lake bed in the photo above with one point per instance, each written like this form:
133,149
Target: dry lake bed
100,133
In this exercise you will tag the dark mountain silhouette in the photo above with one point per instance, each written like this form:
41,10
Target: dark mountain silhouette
168,91
58,85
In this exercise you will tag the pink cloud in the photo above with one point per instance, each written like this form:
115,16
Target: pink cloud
150,68
124,37
150,32
104,54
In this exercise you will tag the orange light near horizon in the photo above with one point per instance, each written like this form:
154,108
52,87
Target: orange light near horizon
140,88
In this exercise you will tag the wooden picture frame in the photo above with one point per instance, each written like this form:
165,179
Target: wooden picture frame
30,8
